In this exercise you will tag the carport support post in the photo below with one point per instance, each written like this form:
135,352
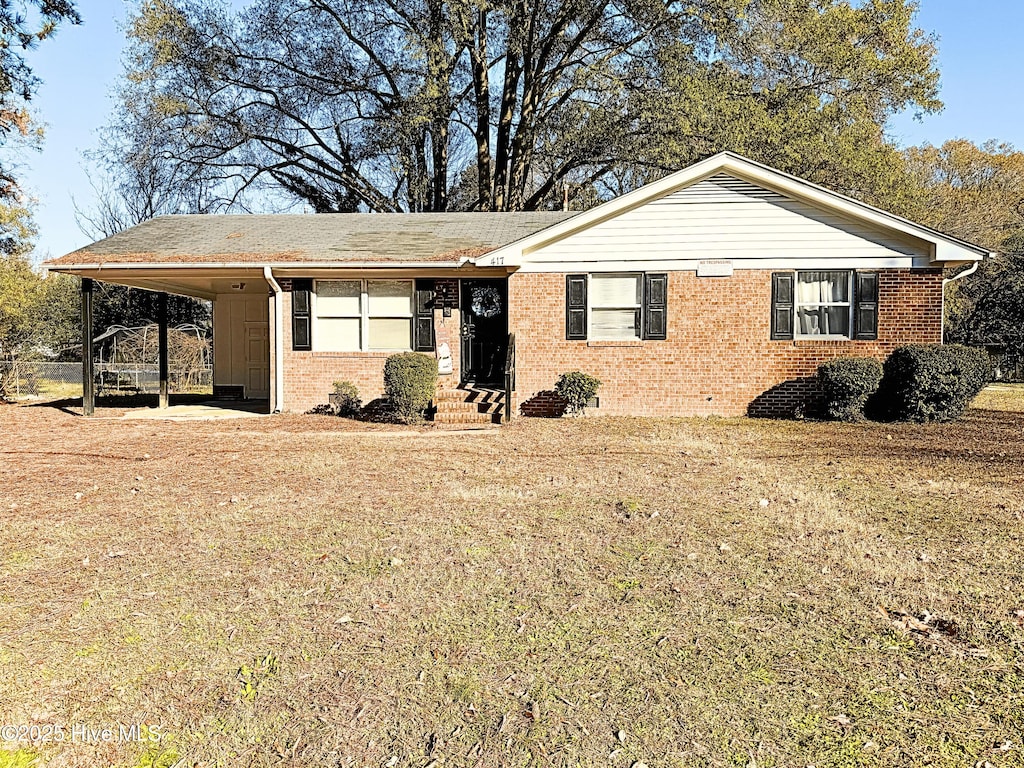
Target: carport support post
162,344
88,391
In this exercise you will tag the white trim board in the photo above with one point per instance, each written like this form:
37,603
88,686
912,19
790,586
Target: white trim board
690,265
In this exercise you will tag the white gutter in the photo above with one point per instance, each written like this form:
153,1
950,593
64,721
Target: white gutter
277,401
945,281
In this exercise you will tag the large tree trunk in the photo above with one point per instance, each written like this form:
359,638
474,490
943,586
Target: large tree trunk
482,97
509,98
522,144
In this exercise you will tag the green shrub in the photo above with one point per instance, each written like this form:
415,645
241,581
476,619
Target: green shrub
930,382
410,380
345,399
846,383
576,388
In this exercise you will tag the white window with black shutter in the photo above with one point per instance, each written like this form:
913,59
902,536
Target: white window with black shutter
616,306
824,304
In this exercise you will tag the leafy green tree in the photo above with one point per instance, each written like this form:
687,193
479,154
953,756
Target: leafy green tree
426,105
135,307
21,287
23,25
60,316
806,87
977,194
20,293
973,192
36,314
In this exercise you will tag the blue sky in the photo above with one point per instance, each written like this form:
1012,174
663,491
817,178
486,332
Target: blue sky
979,58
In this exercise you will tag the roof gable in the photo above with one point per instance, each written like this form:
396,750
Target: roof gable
726,218
729,178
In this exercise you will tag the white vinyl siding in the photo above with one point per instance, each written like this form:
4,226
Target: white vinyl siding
354,315
824,307
615,301
727,218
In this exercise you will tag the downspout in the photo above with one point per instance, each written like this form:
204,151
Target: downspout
945,281
277,405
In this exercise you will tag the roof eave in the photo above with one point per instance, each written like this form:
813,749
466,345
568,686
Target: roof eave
253,265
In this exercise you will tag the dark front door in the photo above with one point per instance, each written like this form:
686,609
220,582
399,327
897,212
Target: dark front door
484,305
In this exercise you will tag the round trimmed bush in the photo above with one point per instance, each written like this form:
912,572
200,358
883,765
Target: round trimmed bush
345,399
846,383
410,380
577,389
931,382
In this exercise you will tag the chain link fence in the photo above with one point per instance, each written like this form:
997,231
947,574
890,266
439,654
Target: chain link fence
22,379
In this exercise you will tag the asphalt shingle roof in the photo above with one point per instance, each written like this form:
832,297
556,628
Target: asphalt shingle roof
298,238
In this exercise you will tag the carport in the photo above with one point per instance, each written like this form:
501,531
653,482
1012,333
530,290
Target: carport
243,299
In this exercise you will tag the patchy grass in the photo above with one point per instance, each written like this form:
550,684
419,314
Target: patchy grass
1001,397
285,591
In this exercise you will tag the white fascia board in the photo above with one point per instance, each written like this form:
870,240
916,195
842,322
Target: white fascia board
690,265
944,247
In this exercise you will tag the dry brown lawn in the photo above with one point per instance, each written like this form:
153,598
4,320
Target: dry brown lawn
303,591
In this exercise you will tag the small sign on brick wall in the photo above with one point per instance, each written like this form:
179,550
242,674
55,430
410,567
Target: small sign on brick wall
446,293
714,268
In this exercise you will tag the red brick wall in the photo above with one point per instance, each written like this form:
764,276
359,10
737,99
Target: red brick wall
309,376
718,358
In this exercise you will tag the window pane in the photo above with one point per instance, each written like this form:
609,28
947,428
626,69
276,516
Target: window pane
389,298
614,324
824,321
808,322
337,334
338,298
390,333
826,287
837,320
615,290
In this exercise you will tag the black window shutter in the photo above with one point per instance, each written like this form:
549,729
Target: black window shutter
783,284
865,313
655,307
423,322
302,328
575,307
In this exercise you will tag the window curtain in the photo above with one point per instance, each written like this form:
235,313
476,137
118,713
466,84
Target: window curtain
814,291
615,306
823,287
